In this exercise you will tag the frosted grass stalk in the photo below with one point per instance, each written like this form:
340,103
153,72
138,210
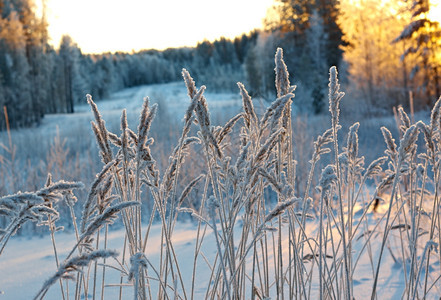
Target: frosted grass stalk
407,143
335,97
72,265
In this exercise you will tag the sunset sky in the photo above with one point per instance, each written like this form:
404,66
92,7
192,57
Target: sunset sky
114,25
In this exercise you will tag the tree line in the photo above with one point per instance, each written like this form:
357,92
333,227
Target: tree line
36,79
387,49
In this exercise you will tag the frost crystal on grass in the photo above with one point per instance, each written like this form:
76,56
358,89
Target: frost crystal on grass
408,142
335,95
279,209
282,75
137,261
328,178
73,265
247,104
352,147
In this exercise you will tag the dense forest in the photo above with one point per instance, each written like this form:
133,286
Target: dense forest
388,50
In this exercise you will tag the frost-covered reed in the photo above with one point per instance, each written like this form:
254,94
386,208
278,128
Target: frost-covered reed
273,238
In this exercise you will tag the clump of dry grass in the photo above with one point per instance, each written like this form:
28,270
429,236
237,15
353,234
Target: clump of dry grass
33,206
270,242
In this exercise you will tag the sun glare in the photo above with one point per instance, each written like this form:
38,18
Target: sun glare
435,11
110,25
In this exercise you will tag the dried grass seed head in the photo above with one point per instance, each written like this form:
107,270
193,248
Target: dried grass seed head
243,155
189,83
282,75
114,139
279,209
352,143
60,186
48,180
435,116
169,176
100,142
189,188
188,118
328,178
271,179
137,261
100,131
94,108
404,119
204,124
390,142
335,95
228,128
268,146
94,189
408,142
428,137
107,217
275,110
21,198
39,212
247,103
375,167
143,128
124,135
73,265
144,113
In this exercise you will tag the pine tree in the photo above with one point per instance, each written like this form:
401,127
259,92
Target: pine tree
24,65
317,45
15,71
74,84
328,11
311,38
254,78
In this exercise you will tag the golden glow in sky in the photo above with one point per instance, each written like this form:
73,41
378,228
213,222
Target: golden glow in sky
435,11
114,25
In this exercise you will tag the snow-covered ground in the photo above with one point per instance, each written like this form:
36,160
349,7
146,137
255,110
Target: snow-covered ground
29,261
171,97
